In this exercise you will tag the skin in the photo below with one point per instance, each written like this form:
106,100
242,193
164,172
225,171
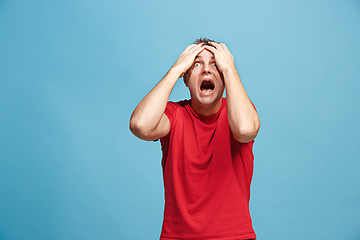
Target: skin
204,68
214,63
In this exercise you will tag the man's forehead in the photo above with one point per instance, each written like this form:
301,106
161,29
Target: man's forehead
204,54
200,56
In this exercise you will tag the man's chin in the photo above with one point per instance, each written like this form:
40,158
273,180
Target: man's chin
208,100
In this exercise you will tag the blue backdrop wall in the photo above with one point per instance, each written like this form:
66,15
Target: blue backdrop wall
72,71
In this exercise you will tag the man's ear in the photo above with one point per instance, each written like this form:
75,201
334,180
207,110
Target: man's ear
186,78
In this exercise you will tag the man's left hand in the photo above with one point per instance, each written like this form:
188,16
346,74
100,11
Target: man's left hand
223,58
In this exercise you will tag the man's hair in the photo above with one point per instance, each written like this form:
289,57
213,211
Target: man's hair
204,41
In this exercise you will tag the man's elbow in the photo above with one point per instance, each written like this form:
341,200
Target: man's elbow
138,129
248,134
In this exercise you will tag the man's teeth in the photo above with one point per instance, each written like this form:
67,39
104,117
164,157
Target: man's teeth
206,90
207,85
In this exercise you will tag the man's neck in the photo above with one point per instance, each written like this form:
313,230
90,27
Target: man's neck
206,109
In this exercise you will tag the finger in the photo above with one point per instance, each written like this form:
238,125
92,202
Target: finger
211,48
218,46
215,44
190,47
187,49
197,46
197,50
224,47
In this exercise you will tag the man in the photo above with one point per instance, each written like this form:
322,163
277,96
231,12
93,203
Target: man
206,143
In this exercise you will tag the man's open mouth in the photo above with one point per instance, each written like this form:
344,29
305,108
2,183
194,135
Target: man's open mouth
207,86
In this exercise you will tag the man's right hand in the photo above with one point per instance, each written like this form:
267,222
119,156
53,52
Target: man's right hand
148,121
187,57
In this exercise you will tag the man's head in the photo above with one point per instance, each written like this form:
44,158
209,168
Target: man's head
203,78
204,41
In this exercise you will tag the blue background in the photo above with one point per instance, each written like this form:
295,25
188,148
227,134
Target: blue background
72,71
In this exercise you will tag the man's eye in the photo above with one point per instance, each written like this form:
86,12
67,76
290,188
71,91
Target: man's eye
197,64
214,64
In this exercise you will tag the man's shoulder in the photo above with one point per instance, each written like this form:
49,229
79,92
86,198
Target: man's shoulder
172,108
181,103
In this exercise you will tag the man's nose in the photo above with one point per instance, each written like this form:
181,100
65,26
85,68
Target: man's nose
206,68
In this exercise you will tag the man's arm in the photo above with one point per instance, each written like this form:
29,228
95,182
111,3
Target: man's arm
243,119
148,121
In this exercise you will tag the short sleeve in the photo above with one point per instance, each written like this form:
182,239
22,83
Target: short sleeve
253,106
170,110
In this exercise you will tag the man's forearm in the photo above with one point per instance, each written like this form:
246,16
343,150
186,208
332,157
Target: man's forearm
148,121
243,118
149,111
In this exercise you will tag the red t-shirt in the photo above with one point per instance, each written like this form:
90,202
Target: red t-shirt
207,176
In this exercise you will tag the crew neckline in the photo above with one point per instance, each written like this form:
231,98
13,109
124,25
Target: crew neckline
208,118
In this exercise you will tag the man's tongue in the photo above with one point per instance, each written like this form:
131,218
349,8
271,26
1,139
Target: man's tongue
207,86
